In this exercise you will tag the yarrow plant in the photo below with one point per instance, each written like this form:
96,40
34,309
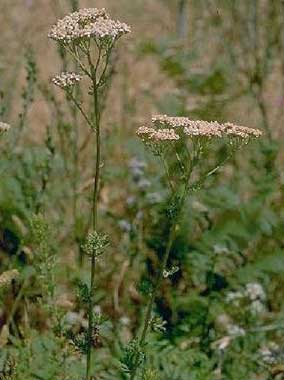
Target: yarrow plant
89,36
182,144
66,80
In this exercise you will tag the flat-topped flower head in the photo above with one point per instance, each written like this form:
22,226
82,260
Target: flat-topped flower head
170,121
203,129
145,132
165,130
85,24
66,80
106,30
4,127
73,26
241,132
157,134
158,140
191,128
194,128
164,135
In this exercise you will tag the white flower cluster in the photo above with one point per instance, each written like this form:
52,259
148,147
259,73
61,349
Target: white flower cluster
242,132
66,80
85,24
4,127
254,293
272,354
157,135
225,324
235,330
203,128
234,297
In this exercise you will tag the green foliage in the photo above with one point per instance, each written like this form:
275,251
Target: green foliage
229,234
150,374
95,244
83,292
28,91
133,356
44,357
174,363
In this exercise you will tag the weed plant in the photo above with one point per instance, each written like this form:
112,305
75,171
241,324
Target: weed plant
158,260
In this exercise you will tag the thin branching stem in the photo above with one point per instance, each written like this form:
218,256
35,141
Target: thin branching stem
94,212
158,281
166,168
149,307
108,55
83,113
77,59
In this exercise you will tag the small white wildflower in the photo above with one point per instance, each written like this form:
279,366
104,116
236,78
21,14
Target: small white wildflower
140,215
257,307
134,163
124,225
125,321
255,291
267,356
269,353
234,297
66,80
220,249
72,318
137,168
4,127
222,321
170,272
235,330
137,173
97,309
143,184
131,201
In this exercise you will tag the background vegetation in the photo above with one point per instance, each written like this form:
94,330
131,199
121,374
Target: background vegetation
220,315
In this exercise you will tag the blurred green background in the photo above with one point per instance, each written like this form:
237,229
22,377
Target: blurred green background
206,59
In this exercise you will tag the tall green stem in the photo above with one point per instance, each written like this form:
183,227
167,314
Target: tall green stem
95,222
157,284
149,308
